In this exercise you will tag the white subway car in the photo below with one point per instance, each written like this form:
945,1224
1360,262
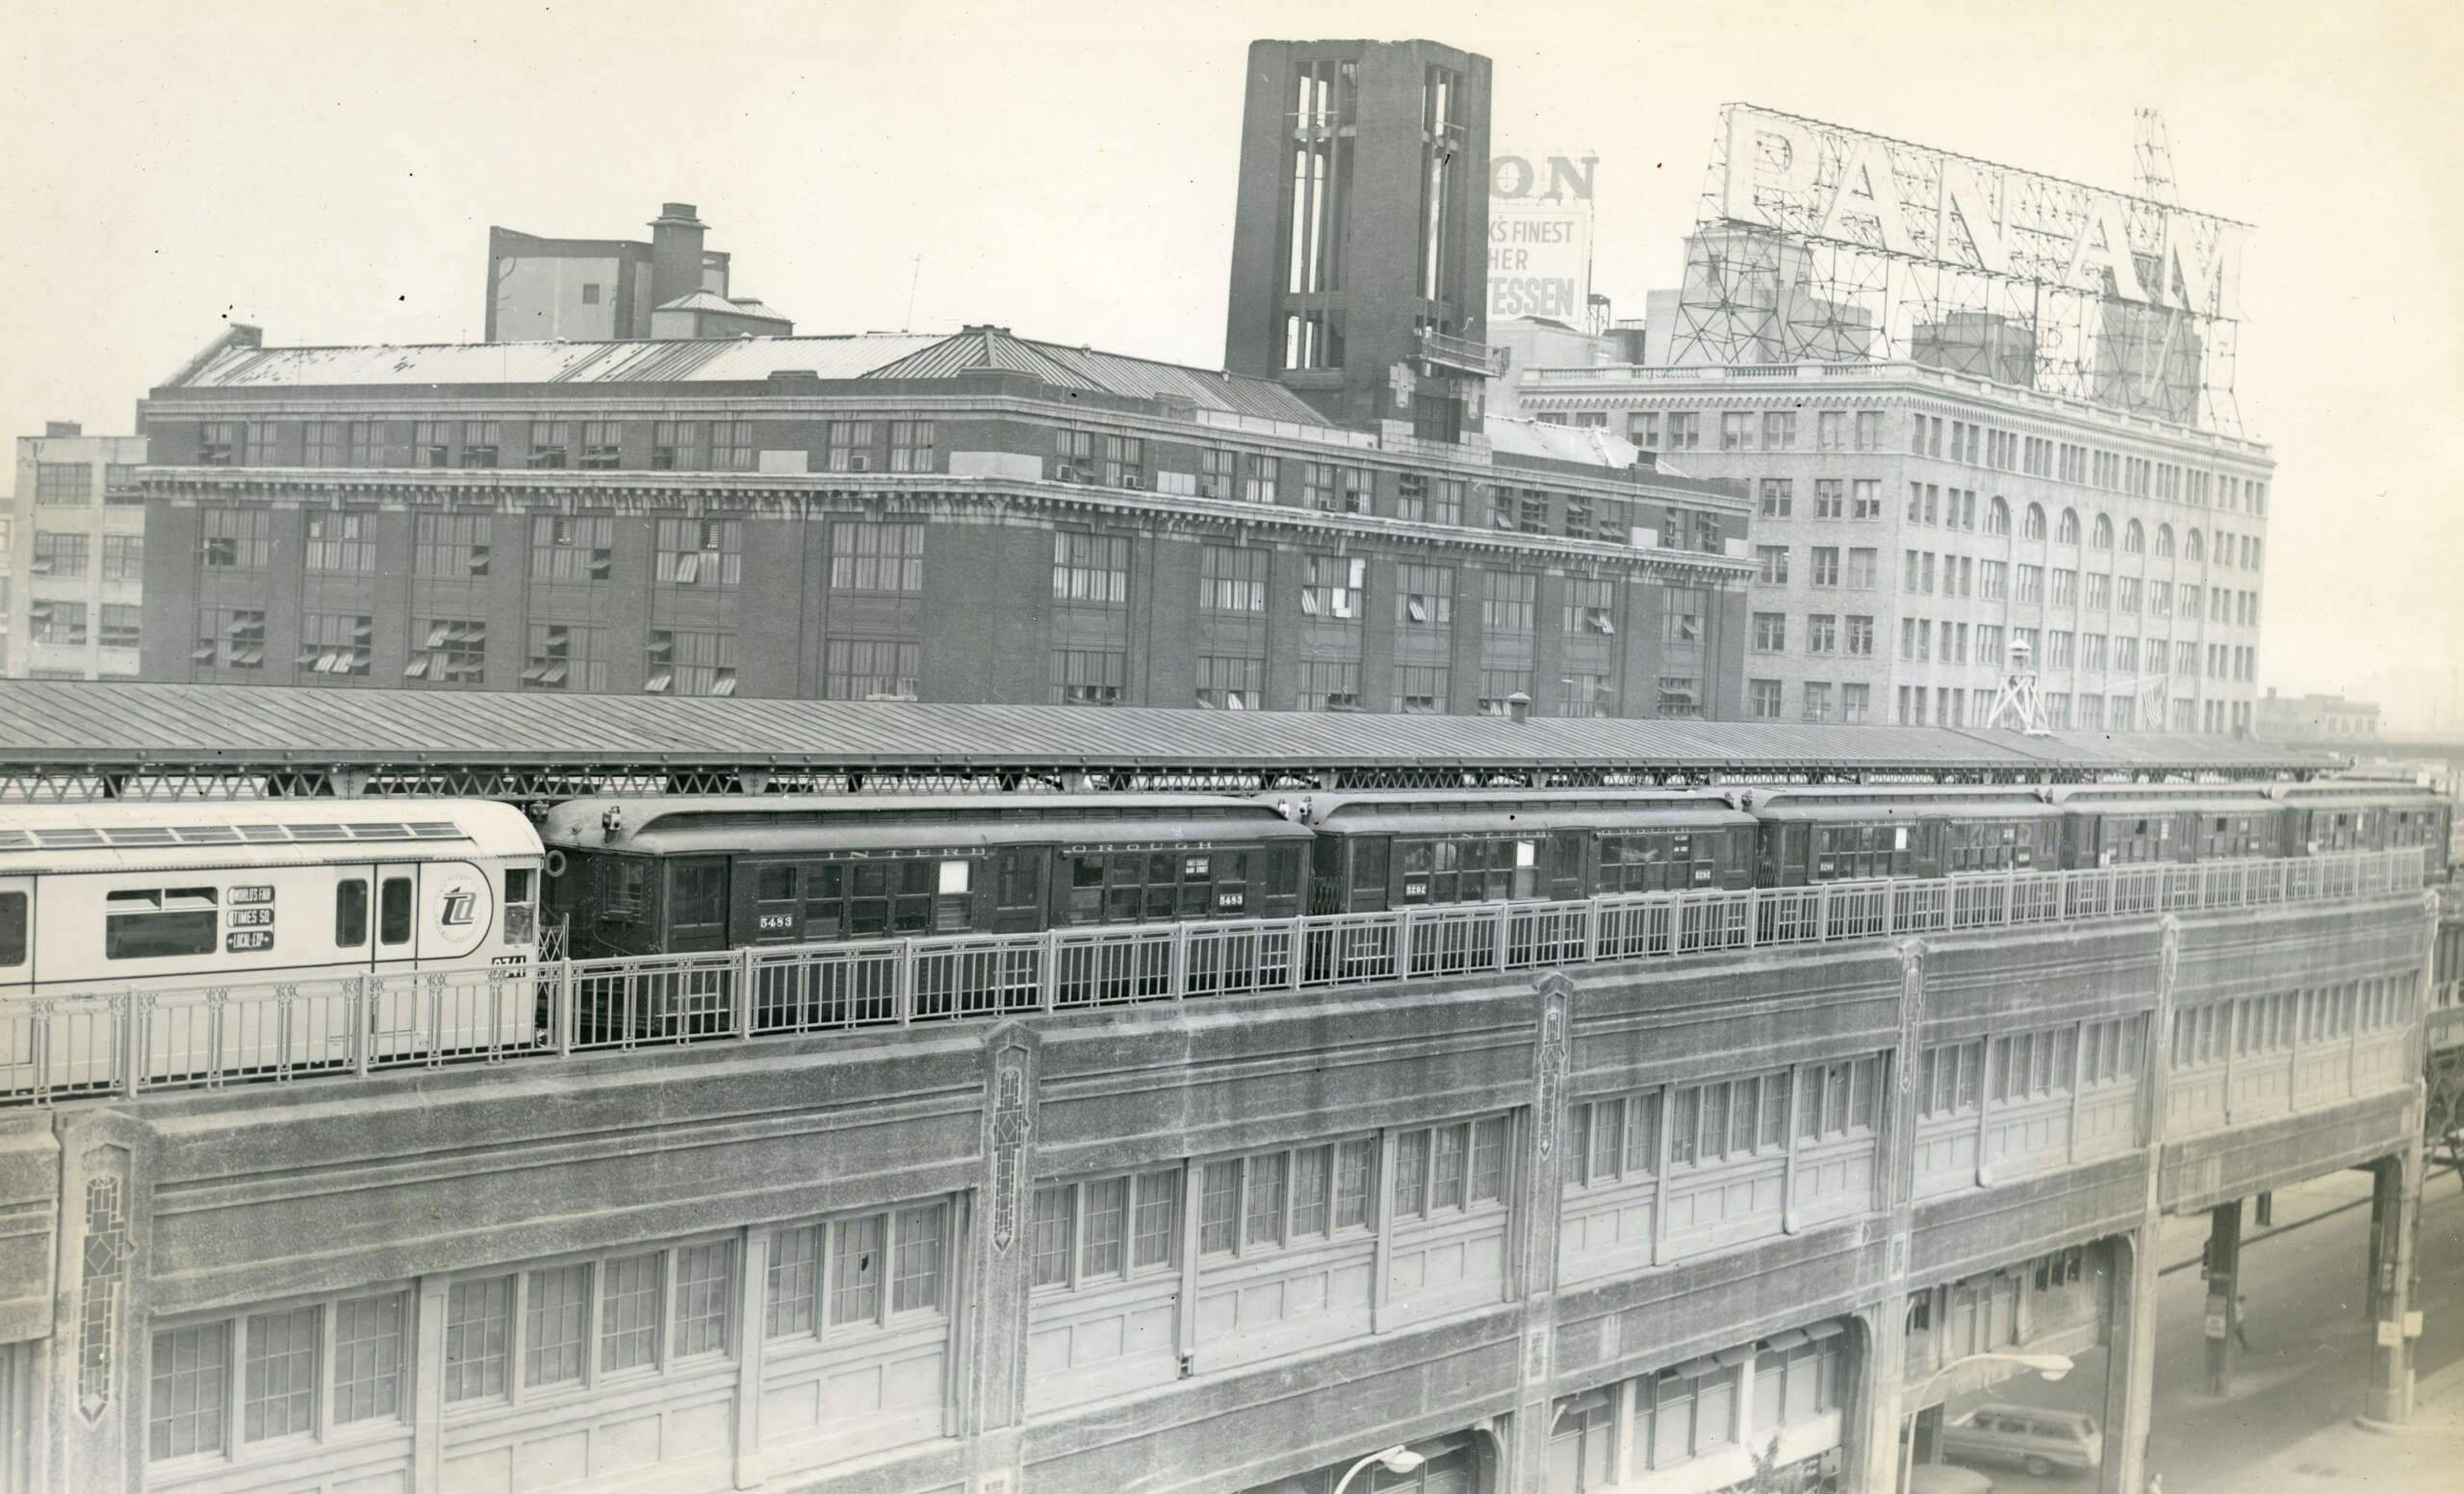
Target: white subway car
259,926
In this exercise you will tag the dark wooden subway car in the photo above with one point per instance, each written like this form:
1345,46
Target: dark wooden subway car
1377,851
1853,833
678,875
2357,815
2122,825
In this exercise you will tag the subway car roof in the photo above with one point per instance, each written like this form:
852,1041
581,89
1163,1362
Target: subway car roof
1503,810
2353,791
2122,798
856,822
1911,800
109,835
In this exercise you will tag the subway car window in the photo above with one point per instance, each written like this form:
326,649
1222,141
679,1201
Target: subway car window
393,911
12,929
518,883
160,923
350,912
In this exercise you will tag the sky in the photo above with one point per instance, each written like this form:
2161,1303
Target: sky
328,171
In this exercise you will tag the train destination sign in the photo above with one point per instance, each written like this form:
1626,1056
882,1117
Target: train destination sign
1827,183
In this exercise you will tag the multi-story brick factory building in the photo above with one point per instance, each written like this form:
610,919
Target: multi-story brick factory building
72,606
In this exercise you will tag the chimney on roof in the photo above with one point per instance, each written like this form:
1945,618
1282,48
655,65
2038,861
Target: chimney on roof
676,252
54,429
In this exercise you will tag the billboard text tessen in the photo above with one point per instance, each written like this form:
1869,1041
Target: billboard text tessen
1540,236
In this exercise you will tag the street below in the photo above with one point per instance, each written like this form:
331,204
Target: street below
2308,1362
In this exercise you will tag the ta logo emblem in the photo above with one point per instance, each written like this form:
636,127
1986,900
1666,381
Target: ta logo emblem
460,902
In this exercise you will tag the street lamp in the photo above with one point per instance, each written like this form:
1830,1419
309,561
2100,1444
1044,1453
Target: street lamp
2048,1367
1400,1458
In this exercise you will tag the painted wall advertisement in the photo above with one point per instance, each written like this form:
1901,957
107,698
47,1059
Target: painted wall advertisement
1540,236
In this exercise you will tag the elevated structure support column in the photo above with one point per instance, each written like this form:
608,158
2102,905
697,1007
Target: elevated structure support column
2224,1314
2395,1219
2130,1353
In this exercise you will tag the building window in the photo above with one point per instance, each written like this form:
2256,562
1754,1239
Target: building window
1329,685
676,444
1770,633
431,445
1088,677
1771,562
1104,1230
341,542
240,537
1684,429
230,638
58,624
1318,485
1679,696
1589,606
63,556
1586,696
122,625
851,444
124,559
1258,473
1762,699
1779,430
1125,462
603,444
551,445
1287,1198
216,443
700,552
829,1274
481,443
1681,618
1817,700
1830,498
1216,469
869,556
1822,632
1448,1170
366,445
910,447
1642,429
64,484
1232,580
871,669
1331,587
334,643
682,662
1861,635
1231,683
1778,498
1737,430
449,650
1091,569
1497,689
1866,495
566,656
1437,417
590,293
1826,565
1419,689
1510,602
731,446
450,546
579,547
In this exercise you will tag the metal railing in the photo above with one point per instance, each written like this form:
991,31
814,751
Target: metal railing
126,1041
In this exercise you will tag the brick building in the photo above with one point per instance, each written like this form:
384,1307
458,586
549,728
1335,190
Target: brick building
976,517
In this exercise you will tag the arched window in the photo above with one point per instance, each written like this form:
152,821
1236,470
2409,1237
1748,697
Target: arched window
1997,519
2193,547
2134,539
2164,540
2103,535
2036,522
2068,534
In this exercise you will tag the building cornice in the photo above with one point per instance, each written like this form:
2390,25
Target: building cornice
805,494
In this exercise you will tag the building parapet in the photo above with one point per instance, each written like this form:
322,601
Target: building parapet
1896,372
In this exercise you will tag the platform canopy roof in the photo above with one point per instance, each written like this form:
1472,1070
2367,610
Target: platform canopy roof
153,738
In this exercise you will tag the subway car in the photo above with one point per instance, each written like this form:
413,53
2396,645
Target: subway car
1377,851
2128,824
639,876
1845,833
174,898
2358,814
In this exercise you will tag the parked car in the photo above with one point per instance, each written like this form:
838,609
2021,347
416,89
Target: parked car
2025,1436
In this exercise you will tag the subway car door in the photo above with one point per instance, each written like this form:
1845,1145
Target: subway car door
770,908
696,903
1018,889
390,942
16,944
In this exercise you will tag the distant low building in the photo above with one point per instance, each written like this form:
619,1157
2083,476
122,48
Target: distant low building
72,553
2316,718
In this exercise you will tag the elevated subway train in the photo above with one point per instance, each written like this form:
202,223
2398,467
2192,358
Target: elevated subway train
640,876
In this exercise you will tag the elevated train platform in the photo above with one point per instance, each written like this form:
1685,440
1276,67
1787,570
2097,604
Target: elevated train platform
65,740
